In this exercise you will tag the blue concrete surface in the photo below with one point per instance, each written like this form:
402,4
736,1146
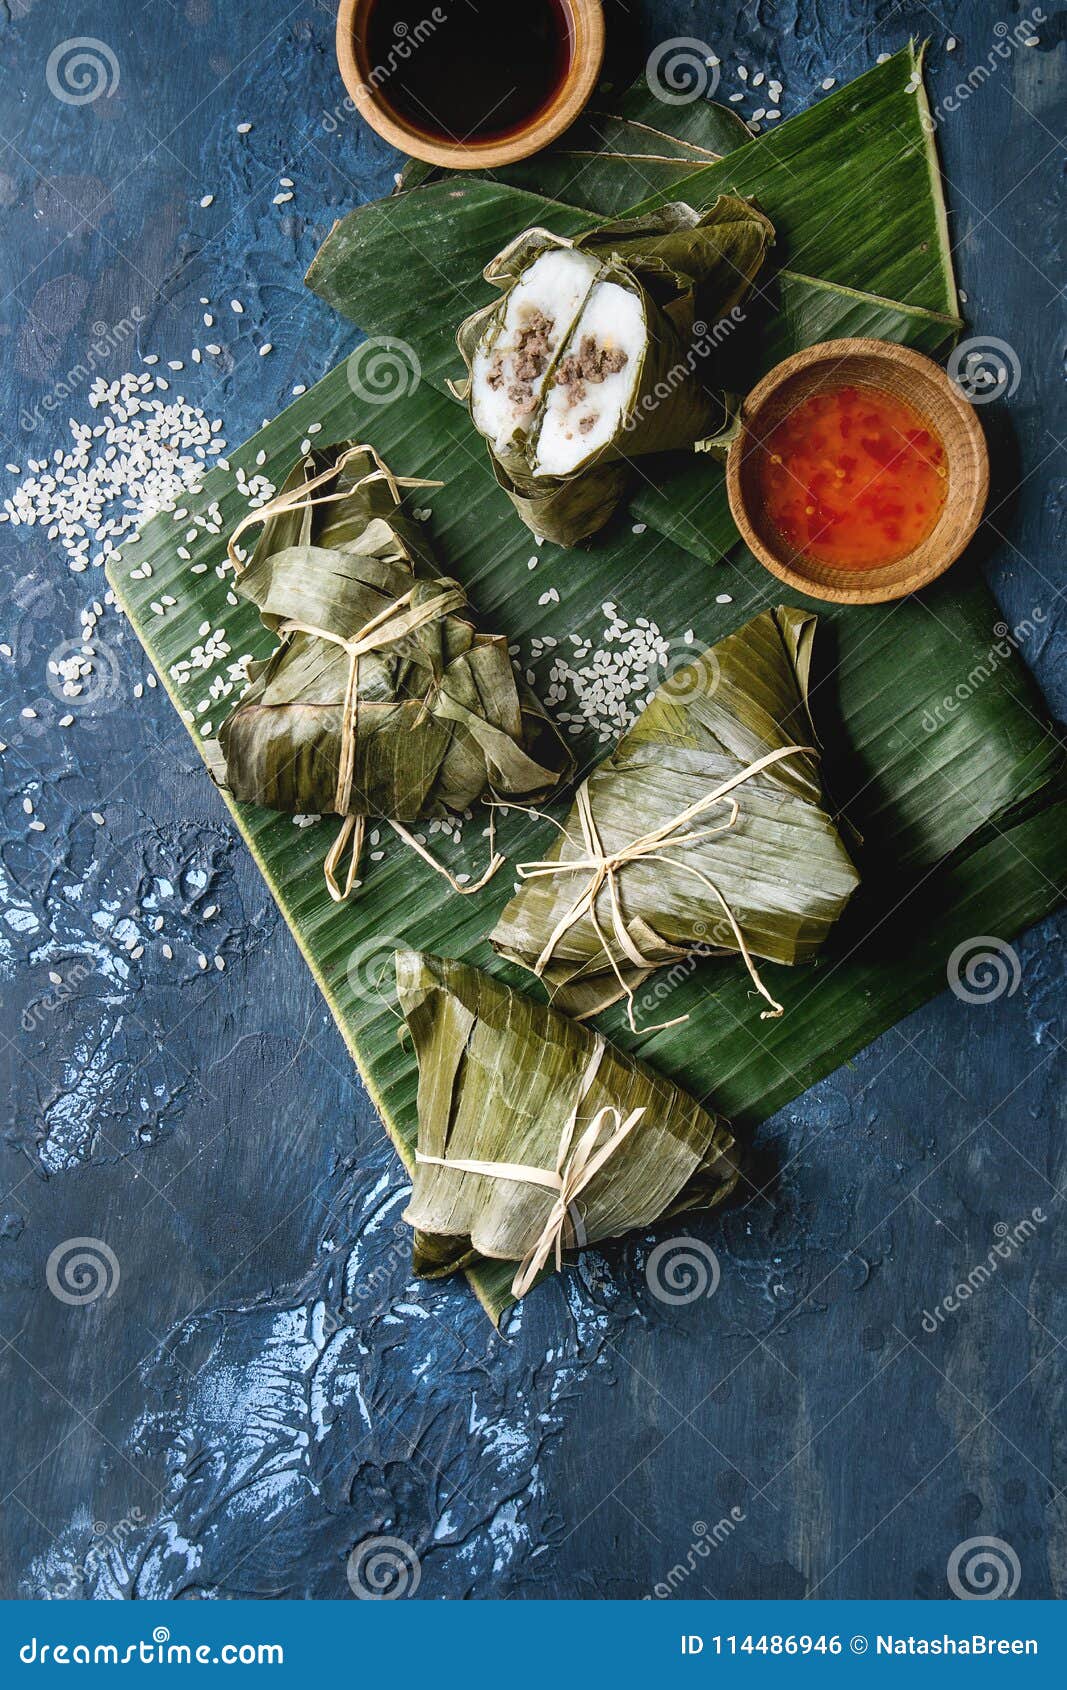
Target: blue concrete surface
211,1427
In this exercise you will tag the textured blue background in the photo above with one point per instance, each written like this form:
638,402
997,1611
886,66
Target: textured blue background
210,1429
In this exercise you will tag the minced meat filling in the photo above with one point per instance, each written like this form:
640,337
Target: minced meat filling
533,348
591,363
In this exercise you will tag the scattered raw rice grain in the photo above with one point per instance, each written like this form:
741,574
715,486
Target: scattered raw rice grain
208,199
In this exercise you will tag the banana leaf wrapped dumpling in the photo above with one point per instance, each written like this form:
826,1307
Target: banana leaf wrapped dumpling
381,699
535,1134
601,350
706,832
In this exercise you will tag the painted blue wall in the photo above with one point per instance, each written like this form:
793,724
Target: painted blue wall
209,1428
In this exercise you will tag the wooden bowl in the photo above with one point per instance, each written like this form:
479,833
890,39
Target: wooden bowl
908,376
586,22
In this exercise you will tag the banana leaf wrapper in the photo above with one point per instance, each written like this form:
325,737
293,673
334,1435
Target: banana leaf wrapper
689,271
780,875
501,1078
437,716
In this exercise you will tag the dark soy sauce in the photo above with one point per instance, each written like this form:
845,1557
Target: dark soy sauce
467,70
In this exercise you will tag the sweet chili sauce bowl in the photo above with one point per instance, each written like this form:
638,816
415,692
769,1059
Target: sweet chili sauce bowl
583,22
907,376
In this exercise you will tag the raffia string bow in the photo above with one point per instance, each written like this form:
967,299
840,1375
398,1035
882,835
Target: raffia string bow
604,868
577,1165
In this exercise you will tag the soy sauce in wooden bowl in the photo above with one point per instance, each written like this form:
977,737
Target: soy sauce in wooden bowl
468,71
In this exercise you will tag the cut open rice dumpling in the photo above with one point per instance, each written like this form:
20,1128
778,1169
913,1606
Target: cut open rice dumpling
602,350
512,363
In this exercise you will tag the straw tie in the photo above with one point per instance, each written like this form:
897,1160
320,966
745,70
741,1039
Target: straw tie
393,622
603,869
575,1168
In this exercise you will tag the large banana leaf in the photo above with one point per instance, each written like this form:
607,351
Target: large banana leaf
915,795
961,831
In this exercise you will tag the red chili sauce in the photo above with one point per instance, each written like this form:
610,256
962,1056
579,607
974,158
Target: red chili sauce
854,478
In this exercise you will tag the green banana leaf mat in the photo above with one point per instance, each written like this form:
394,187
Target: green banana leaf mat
960,811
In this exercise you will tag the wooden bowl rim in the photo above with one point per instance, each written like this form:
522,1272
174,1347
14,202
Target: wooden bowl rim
967,518
587,22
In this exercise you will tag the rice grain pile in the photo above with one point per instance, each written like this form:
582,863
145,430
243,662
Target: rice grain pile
143,454
603,684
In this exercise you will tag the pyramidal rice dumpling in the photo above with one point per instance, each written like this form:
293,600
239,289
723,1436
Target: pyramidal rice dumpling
537,1135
